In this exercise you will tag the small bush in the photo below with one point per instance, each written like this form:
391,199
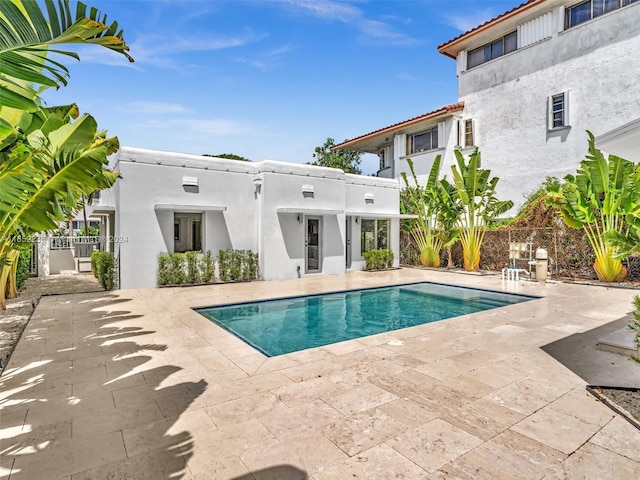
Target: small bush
104,268
378,259
176,268
207,267
224,265
164,274
193,272
237,265
181,268
24,259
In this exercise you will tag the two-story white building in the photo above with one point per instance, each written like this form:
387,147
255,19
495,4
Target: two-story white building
530,83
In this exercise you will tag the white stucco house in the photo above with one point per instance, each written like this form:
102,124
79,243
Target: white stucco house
530,83
300,219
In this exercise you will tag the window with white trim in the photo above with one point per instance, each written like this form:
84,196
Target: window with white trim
585,11
558,111
466,138
423,141
374,234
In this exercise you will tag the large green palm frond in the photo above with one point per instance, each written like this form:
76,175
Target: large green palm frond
27,36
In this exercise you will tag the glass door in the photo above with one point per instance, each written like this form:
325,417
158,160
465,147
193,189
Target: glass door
313,255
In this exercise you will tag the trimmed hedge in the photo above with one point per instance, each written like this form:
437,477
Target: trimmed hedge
378,259
103,267
193,268
24,259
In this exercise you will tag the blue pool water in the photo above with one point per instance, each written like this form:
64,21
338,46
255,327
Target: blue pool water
276,327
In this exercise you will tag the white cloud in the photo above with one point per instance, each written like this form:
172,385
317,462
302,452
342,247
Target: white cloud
370,29
467,21
159,50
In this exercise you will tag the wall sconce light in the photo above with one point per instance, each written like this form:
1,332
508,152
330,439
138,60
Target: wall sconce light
299,218
357,220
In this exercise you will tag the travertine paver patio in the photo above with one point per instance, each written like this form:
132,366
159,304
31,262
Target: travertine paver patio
134,384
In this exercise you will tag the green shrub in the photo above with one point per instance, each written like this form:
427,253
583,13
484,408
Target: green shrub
93,263
207,267
193,272
177,268
378,259
88,232
237,265
164,274
224,266
24,260
104,269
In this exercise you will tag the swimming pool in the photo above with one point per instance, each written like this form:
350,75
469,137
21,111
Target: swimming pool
286,325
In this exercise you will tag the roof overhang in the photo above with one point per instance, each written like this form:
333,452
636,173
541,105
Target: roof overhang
623,141
309,211
379,215
103,209
372,141
189,208
492,29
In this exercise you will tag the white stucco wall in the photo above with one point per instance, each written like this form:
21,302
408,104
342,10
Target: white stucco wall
282,236
265,207
149,231
508,97
372,198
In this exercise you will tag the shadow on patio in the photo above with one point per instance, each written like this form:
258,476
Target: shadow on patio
80,396
579,353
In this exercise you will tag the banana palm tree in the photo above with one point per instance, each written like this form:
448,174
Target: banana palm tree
42,180
46,161
603,199
475,190
420,201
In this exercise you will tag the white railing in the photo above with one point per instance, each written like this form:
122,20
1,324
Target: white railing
81,246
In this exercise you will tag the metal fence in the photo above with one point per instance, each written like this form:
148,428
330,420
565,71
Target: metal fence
569,251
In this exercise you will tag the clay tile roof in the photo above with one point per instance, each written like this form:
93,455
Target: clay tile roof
405,123
488,22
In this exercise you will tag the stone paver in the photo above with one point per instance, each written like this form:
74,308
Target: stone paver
135,384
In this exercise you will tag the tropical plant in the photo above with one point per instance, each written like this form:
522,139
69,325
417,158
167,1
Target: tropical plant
46,162
43,175
27,37
420,201
346,160
599,199
475,191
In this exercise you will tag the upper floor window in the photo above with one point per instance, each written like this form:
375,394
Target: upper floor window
423,141
384,160
559,110
585,11
465,133
495,49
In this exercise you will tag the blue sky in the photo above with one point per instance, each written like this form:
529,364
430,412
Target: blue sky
269,79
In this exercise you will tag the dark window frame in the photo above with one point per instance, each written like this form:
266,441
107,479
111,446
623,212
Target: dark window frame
492,50
594,12
433,133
